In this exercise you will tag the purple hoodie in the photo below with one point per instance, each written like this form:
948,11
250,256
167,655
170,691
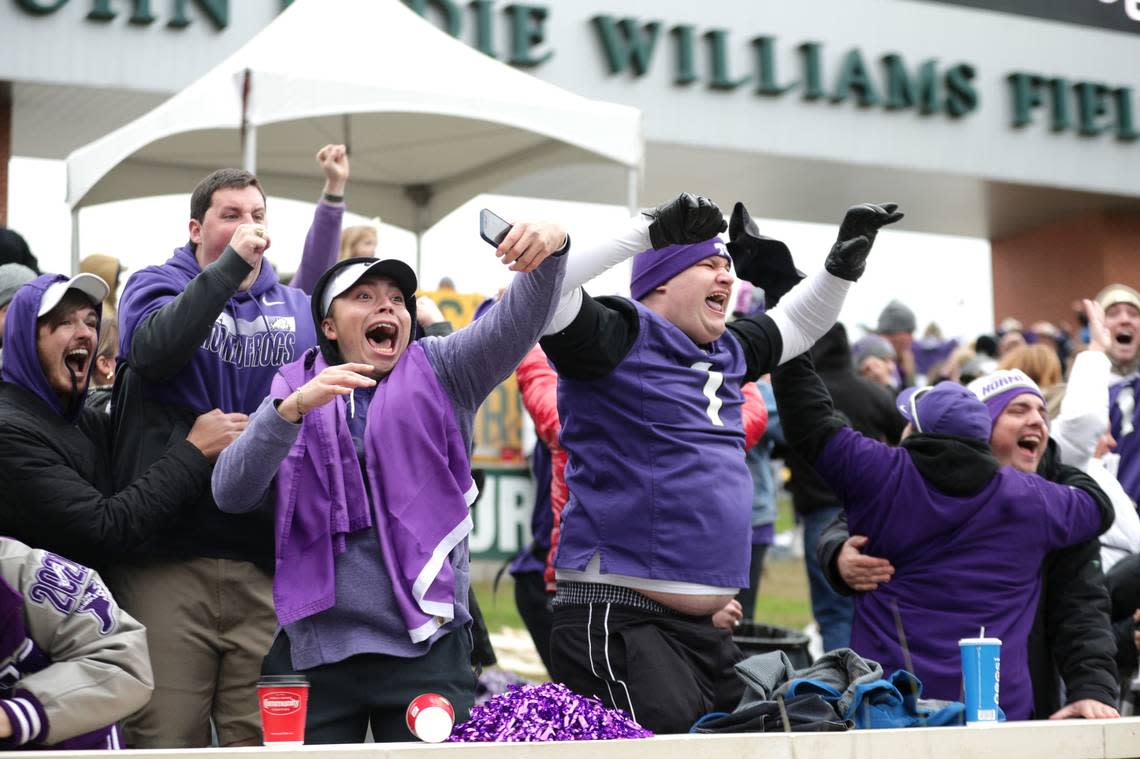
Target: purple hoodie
21,360
258,331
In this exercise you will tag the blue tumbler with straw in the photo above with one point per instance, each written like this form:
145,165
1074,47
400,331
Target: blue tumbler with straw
981,677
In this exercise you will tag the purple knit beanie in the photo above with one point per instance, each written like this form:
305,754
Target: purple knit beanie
652,268
998,389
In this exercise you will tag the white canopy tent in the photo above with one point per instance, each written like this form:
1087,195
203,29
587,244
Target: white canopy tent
429,121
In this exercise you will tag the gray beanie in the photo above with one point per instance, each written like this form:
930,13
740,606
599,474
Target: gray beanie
12,278
896,318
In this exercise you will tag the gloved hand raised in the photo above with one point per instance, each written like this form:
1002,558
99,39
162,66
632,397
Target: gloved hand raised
686,219
763,261
848,257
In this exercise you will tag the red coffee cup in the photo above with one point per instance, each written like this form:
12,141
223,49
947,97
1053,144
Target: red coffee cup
430,717
284,701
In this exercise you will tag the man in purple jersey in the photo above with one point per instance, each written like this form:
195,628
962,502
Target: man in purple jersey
656,534
966,536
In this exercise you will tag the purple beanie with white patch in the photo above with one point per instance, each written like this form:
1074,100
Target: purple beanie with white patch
652,268
997,390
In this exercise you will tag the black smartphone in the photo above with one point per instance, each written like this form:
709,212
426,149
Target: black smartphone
492,228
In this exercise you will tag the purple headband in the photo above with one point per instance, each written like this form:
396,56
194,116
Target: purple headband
652,268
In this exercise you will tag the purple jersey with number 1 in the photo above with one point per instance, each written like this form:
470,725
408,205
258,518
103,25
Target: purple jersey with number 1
658,484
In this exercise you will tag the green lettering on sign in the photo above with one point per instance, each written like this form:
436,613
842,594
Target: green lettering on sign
484,34
627,43
904,92
1059,111
766,74
854,79
686,71
450,11
813,70
1125,124
101,11
1026,92
218,11
1091,105
527,32
38,8
961,97
718,49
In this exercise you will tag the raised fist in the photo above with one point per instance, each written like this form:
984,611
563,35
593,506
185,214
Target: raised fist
686,219
848,257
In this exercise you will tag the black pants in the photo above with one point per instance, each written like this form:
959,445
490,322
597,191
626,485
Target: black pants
344,697
533,603
747,596
665,671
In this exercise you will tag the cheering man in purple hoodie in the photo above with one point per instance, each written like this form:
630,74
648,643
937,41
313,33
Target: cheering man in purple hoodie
206,330
966,536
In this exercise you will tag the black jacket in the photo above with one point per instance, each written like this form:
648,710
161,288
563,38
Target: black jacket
1071,638
866,406
57,492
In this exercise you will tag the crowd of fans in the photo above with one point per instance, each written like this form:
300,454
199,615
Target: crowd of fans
220,476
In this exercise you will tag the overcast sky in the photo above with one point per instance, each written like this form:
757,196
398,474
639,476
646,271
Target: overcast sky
944,279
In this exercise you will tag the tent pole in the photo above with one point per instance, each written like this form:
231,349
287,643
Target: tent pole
74,241
249,149
420,195
632,180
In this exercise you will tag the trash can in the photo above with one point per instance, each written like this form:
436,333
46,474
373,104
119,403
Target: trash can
755,639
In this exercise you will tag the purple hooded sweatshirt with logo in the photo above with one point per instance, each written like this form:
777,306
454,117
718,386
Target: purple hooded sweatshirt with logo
658,483
962,562
259,331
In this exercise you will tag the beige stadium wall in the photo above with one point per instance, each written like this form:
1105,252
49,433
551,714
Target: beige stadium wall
1073,739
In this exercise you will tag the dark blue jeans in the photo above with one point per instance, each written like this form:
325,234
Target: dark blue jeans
832,611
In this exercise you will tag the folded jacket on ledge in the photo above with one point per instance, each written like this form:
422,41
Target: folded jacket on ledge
853,688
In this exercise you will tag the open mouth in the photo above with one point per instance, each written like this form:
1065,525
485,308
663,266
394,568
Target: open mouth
76,361
1123,337
717,302
382,337
1030,443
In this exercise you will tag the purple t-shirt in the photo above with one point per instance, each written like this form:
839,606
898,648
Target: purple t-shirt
960,562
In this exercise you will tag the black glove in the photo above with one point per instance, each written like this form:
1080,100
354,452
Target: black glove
848,257
764,262
687,219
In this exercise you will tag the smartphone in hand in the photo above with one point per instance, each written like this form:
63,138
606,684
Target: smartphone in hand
492,228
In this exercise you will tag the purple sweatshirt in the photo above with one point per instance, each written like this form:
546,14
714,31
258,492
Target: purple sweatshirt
469,364
256,332
962,562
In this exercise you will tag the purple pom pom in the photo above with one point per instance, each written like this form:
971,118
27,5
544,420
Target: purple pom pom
546,712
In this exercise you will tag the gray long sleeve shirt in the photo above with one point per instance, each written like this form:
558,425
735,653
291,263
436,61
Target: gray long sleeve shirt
469,364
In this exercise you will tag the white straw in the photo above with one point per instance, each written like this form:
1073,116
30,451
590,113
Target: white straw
982,634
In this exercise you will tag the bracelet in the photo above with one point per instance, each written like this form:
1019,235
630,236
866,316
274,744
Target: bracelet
300,403
332,198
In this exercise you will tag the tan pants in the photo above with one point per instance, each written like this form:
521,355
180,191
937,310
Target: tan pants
209,623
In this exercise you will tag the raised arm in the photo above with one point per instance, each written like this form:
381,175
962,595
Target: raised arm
322,244
1083,418
472,361
161,324
53,507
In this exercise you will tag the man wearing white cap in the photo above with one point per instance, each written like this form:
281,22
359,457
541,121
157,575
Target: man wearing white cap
57,492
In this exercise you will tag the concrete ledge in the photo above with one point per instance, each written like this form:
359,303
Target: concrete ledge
1073,739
